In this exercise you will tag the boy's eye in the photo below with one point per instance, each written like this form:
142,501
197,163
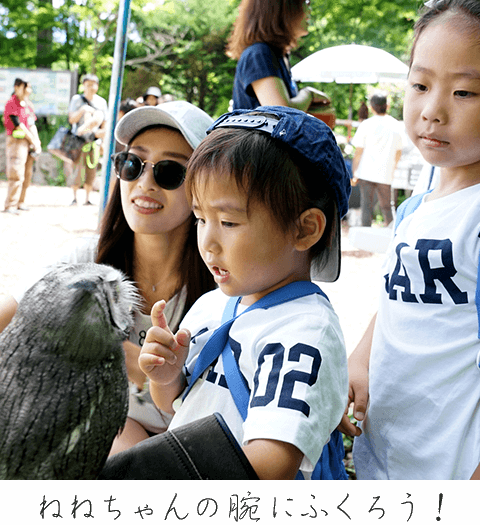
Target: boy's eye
228,224
199,220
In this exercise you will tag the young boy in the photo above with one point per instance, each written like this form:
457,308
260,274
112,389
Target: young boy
268,189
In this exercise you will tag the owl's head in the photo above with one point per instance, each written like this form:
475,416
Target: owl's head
82,308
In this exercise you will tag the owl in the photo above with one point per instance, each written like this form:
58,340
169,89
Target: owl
63,382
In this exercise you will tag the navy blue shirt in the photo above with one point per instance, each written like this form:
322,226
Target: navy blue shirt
256,62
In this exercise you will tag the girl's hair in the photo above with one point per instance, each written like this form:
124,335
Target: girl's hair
269,173
469,8
115,247
268,21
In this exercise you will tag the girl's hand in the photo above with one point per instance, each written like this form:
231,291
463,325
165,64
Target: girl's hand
163,354
358,395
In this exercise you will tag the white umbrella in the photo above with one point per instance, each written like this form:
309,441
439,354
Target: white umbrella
350,64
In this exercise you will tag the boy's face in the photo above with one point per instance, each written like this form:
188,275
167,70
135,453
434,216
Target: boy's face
442,99
248,255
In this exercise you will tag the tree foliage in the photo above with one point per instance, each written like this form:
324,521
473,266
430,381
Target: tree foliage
179,45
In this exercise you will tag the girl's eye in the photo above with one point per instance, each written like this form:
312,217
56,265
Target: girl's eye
228,224
199,220
419,87
463,94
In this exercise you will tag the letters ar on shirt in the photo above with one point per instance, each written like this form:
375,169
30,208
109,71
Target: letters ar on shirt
399,285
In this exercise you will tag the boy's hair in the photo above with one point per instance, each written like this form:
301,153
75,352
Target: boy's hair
378,101
268,21
269,173
435,8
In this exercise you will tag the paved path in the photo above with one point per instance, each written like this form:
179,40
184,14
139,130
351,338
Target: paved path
36,235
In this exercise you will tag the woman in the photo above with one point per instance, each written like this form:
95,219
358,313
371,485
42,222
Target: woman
22,141
264,33
149,233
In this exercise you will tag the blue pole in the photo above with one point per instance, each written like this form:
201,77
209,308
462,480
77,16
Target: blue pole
114,96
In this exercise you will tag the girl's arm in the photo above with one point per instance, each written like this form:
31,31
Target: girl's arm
272,91
358,365
476,474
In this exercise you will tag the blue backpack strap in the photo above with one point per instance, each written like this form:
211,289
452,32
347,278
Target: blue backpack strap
408,206
330,466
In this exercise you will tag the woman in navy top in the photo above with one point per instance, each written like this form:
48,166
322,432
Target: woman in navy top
264,33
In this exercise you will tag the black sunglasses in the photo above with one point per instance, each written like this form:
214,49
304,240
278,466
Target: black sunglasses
168,174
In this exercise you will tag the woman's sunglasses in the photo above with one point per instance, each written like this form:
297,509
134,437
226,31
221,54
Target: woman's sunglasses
168,174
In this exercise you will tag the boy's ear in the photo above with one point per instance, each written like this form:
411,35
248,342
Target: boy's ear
311,225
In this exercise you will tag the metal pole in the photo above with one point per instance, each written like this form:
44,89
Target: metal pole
114,96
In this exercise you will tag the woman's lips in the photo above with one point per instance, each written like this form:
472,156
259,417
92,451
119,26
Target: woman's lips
146,205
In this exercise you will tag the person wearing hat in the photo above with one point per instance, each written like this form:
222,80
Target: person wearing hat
152,96
87,115
148,232
268,189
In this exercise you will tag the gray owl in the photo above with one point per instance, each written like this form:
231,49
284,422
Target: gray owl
63,383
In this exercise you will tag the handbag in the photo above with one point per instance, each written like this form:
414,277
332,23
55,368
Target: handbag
66,145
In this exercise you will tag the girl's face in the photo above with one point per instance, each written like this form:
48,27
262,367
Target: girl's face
148,208
248,255
442,100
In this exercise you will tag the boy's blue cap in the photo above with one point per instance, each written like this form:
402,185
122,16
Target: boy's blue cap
307,135
313,140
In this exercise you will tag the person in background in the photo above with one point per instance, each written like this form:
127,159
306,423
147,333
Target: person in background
264,33
22,145
378,143
87,114
152,96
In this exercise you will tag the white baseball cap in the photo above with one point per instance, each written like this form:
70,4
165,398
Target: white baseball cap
191,121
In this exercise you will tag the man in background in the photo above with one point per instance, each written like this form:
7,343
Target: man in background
87,114
378,143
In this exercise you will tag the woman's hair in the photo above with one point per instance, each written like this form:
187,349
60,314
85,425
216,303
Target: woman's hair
269,173
268,21
19,82
115,247
469,8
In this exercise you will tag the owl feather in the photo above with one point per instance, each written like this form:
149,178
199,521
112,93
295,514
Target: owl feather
63,382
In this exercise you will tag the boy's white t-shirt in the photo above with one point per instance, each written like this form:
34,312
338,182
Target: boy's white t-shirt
423,419
279,350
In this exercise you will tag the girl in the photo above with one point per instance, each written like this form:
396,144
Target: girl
264,33
416,369
148,232
268,202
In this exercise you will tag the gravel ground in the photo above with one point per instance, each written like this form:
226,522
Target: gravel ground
35,235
